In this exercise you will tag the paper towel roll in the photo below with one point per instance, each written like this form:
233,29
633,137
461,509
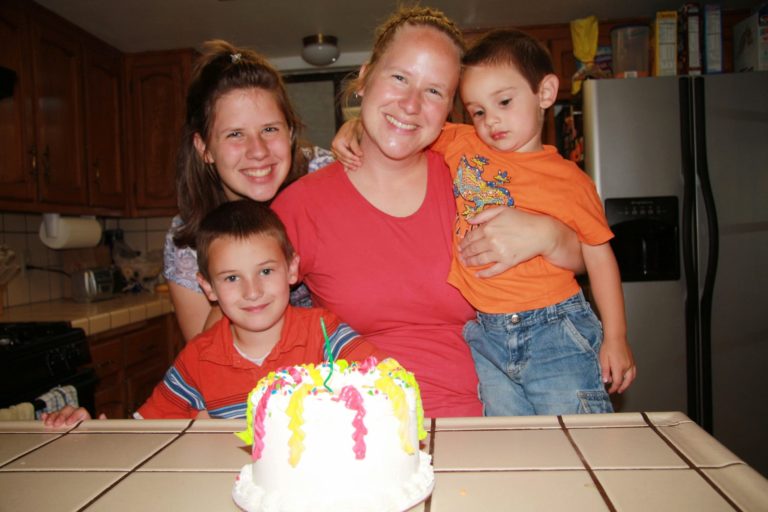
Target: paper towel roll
70,232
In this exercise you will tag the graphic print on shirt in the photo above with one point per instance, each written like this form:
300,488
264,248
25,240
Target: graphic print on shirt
473,193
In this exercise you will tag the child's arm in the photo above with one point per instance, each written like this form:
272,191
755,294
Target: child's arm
616,361
346,144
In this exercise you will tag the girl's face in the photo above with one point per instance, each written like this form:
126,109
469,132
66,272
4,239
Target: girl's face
409,93
250,144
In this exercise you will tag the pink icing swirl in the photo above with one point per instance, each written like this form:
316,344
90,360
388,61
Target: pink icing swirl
258,419
354,401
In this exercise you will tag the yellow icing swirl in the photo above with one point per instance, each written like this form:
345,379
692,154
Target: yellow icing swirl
295,412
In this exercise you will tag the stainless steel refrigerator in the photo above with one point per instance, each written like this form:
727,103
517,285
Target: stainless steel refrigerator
682,166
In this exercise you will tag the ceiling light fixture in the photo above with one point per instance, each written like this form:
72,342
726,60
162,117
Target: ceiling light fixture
320,50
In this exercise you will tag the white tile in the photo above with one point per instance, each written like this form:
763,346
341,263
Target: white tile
669,490
507,491
743,485
130,425
503,449
625,448
127,224
52,491
159,224
622,419
497,423
109,452
700,447
15,223
14,445
202,452
190,492
33,221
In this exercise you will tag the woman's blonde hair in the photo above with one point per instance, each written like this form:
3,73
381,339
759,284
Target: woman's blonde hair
385,34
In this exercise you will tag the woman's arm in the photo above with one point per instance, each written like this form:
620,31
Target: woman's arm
508,236
192,310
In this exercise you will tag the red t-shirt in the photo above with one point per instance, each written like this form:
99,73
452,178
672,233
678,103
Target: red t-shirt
210,374
386,275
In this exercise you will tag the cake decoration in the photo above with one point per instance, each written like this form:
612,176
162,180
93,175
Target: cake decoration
312,427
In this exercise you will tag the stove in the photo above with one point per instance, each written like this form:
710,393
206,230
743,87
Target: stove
38,356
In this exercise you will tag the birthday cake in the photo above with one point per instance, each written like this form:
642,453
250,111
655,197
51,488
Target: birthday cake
337,436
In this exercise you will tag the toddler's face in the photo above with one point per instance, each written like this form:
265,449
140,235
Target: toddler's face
507,114
250,279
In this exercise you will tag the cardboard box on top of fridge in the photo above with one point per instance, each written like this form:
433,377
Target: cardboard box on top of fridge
750,42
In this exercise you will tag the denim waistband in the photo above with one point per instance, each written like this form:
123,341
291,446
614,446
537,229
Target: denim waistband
572,304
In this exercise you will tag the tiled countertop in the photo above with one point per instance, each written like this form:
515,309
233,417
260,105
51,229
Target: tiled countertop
625,462
93,317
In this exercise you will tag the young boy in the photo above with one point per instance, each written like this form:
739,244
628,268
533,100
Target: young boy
247,265
535,340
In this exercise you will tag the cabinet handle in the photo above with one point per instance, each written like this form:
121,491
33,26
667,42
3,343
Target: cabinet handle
33,156
47,163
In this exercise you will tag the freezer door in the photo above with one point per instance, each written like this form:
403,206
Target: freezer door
632,149
737,156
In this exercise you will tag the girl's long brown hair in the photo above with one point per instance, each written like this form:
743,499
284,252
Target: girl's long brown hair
222,68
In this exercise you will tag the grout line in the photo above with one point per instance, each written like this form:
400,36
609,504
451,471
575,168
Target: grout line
690,463
591,473
133,470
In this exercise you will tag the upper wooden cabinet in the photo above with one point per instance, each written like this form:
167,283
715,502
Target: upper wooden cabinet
157,90
17,172
103,72
57,104
61,128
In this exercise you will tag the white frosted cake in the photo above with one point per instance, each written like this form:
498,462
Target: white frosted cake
355,447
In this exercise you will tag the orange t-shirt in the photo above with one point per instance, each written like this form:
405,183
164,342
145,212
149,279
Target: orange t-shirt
541,182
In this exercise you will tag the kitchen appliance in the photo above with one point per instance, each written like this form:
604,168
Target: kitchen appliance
682,164
93,284
38,356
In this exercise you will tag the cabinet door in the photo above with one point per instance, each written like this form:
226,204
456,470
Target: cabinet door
17,179
158,88
140,383
56,57
103,126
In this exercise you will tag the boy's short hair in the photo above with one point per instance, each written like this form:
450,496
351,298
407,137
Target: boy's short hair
512,48
240,220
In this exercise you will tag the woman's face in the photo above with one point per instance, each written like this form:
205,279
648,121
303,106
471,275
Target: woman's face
407,96
250,144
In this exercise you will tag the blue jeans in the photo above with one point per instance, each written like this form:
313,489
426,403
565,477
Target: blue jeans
542,361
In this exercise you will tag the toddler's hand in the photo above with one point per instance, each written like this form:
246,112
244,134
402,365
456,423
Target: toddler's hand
618,364
346,145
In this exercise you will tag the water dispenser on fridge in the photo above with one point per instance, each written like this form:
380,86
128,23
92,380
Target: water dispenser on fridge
646,237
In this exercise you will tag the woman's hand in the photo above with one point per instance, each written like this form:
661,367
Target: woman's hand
346,145
505,237
66,416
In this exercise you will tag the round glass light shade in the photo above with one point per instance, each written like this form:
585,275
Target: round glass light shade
320,50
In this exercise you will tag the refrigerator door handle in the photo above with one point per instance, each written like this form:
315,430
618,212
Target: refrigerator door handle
710,213
689,255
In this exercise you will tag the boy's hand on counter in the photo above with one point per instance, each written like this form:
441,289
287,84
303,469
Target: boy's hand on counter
67,416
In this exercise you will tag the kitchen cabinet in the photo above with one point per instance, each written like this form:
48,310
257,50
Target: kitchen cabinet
16,136
156,102
60,129
103,77
130,361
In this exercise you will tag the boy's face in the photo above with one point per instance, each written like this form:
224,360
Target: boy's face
507,114
250,279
